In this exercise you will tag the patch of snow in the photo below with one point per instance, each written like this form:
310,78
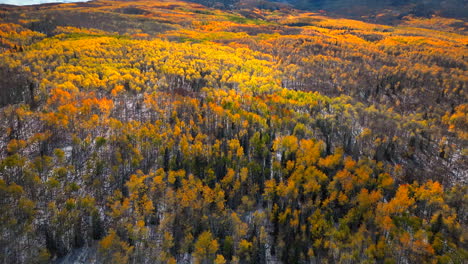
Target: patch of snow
68,151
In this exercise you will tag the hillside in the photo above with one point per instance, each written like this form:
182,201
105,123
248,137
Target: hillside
377,11
395,9
168,131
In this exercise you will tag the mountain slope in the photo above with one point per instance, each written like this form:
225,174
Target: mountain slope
423,8
380,11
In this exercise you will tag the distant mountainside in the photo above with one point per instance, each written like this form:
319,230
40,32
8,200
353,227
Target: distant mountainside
380,11
423,8
385,11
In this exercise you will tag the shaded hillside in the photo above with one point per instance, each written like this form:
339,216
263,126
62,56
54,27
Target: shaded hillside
421,8
380,11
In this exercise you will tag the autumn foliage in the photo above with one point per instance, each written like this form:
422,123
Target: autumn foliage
185,133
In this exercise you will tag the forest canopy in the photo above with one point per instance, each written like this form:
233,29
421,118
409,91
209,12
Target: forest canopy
171,132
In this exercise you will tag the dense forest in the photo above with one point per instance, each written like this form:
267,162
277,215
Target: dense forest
172,132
